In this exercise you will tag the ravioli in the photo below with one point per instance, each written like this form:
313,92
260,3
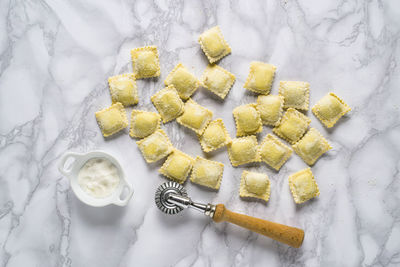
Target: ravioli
270,108
243,150
312,146
123,89
168,103
255,185
155,146
177,166
330,109
214,136
184,82
260,77
218,80
195,117
248,120
144,123
273,152
296,94
207,173
145,62
303,186
112,119
213,44
293,126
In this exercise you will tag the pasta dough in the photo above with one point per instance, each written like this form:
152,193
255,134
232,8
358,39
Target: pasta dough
293,126
330,109
207,173
274,152
303,186
168,103
312,146
112,119
145,62
144,123
177,166
215,136
247,120
270,108
260,77
155,146
184,82
123,89
243,150
218,80
255,185
195,117
295,94
213,44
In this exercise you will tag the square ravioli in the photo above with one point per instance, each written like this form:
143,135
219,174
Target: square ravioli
155,146
145,62
243,150
270,108
218,80
248,120
255,185
293,126
123,89
144,123
303,186
330,109
184,82
295,94
112,119
195,117
274,152
214,136
177,166
312,146
213,44
168,103
207,173
260,77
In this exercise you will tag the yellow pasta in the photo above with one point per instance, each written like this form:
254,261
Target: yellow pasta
303,186
155,146
312,146
270,108
123,89
218,80
295,94
168,103
255,185
184,82
177,166
247,120
215,136
243,150
274,152
144,123
207,173
330,109
195,117
145,62
260,77
293,126
213,44
112,119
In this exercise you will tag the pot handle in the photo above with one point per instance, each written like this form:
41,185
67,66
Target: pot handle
64,158
123,202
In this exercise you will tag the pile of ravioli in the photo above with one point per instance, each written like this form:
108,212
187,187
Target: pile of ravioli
283,112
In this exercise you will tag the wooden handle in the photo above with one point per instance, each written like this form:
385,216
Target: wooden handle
289,235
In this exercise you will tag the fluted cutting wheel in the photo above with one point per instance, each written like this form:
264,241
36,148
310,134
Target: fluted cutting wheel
162,192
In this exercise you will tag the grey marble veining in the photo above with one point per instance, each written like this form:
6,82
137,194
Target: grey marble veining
55,58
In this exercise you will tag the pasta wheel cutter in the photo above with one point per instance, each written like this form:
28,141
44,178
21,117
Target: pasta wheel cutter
172,198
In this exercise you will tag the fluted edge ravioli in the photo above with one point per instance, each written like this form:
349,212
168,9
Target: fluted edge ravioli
243,150
214,136
145,62
207,173
184,81
218,80
247,119
260,78
123,89
112,119
303,186
213,44
296,94
270,108
273,152
168,103
155,146
293,125
177,166
255,185
144,123
195,117
330,109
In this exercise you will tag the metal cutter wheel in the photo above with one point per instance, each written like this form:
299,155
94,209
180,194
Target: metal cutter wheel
172,198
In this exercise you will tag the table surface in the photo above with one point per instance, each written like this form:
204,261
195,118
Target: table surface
55,58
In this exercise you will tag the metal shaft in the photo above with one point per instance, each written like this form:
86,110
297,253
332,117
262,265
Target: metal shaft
186,202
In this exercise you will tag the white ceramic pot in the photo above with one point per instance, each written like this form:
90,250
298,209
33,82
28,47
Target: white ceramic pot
72,173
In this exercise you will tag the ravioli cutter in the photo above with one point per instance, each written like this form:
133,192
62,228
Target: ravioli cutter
172,198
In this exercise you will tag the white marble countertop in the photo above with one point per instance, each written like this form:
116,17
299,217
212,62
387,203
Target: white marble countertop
55,58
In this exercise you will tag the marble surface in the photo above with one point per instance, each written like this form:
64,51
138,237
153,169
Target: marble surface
55,57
